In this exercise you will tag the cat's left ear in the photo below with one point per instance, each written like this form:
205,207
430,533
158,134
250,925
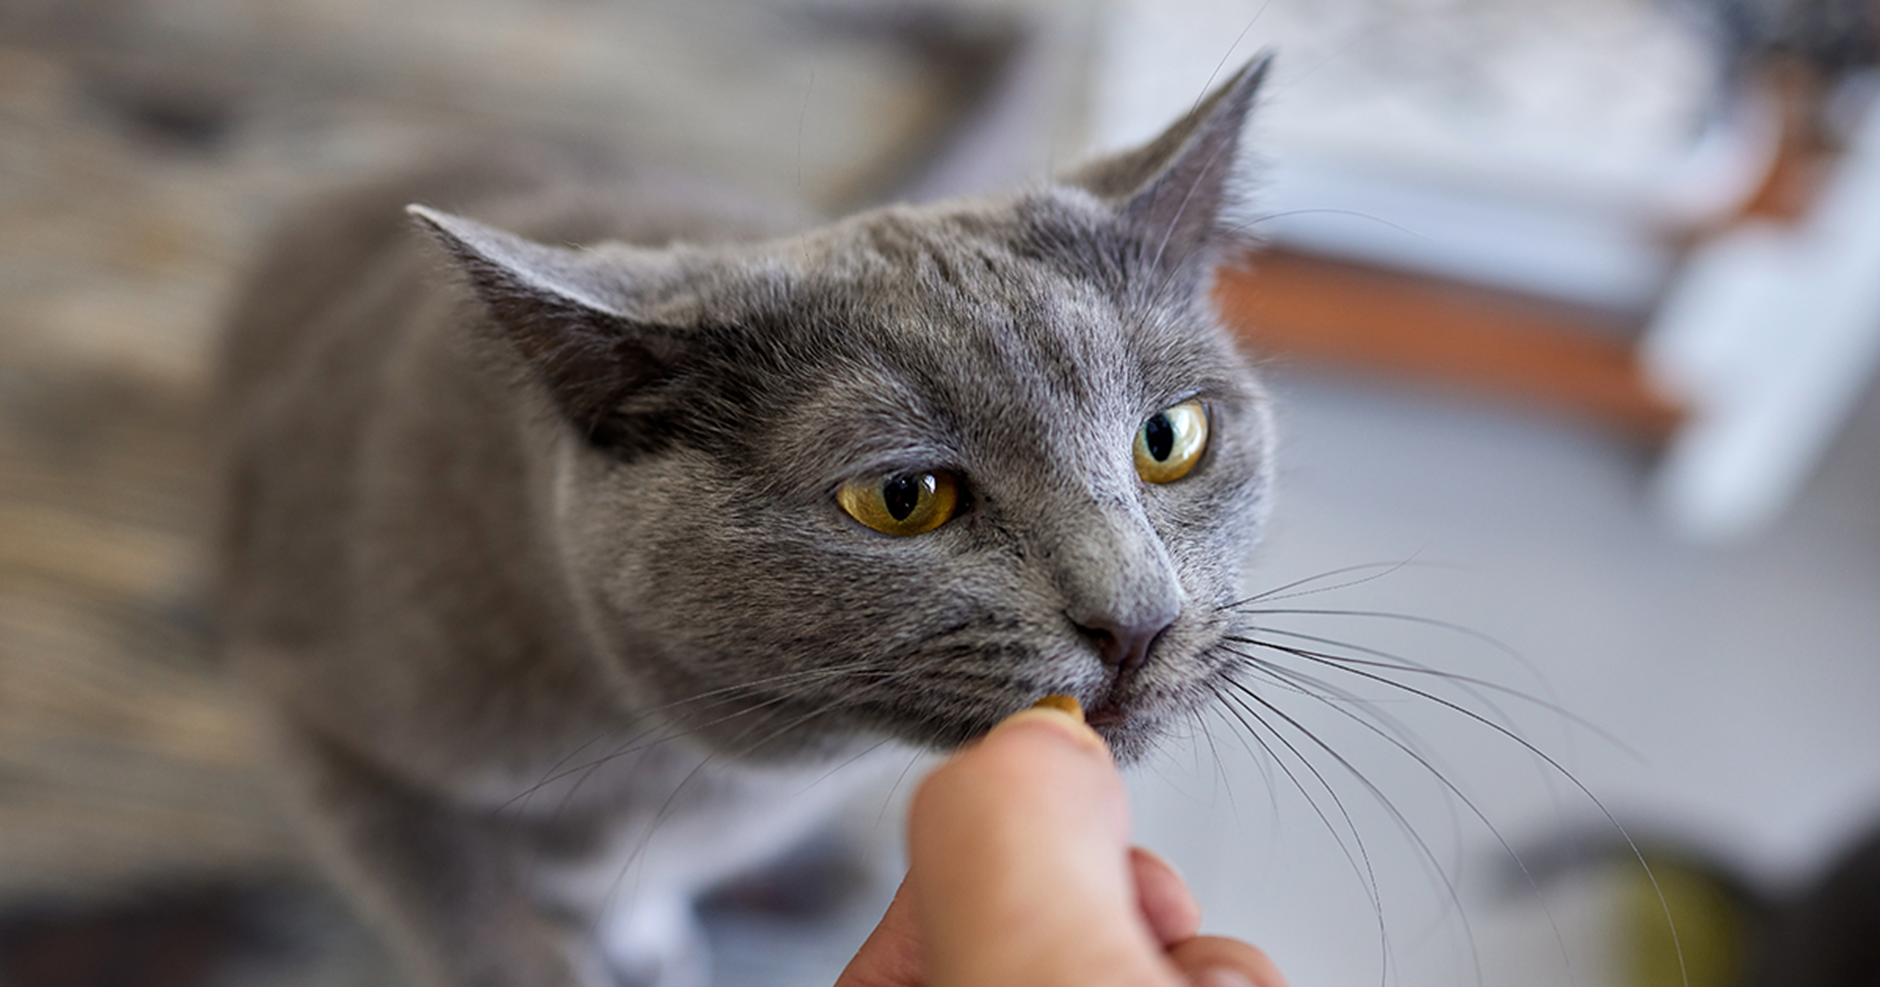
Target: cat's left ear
1183,193
567,312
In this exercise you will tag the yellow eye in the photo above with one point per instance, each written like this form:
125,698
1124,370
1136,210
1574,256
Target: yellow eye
908,504
1170,443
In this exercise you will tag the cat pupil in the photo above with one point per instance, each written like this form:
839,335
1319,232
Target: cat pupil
901,494
1159,436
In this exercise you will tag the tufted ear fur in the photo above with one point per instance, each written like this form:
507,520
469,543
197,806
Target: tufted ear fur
568,313
1180,192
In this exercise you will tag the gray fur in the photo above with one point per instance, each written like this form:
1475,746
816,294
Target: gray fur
566,516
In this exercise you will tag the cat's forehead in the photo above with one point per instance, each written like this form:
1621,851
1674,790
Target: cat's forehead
1040,238
1030,292
944,333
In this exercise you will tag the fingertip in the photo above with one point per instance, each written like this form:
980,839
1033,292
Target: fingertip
1169,908
1057,721
1037,764
1228,962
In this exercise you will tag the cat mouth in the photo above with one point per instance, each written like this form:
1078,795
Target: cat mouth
1108,712
1117,703
1127,727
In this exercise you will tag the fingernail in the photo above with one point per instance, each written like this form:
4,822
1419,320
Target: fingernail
1222,976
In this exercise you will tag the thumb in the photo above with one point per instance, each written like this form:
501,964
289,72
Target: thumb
1021,864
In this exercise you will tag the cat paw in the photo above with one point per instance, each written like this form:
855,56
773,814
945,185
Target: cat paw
656,944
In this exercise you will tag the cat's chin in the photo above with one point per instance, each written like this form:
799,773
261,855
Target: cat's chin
1132,733
1131,736
1133,725
1133,719
1130,739
1106,714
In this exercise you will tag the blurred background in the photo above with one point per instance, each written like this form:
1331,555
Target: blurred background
1572,311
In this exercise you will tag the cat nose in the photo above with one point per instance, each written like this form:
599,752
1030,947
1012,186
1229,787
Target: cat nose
1124,645
1119,584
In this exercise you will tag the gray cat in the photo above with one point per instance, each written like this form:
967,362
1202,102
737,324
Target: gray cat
563,568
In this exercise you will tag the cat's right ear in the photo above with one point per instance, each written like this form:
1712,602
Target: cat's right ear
1184,194
566,311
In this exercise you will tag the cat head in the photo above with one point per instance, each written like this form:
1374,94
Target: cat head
910,472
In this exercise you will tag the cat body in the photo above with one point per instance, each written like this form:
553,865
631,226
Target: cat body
545,558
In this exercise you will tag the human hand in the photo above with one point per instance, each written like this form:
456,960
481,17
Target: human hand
1022,874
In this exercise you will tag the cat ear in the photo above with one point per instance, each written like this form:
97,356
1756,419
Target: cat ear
1182,191
565,311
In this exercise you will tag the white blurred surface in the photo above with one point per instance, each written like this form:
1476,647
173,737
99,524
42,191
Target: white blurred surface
1539,146
1770,334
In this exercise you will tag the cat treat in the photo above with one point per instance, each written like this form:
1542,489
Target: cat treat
1068,704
